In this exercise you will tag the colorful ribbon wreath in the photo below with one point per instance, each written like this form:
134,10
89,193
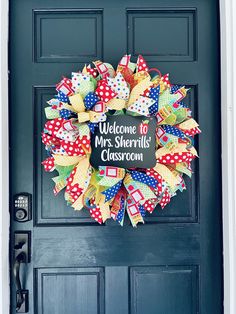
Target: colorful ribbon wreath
85,100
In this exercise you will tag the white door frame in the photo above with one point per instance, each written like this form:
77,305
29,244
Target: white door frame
228,120
228,83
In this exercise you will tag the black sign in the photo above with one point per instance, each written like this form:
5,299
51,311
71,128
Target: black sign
124,141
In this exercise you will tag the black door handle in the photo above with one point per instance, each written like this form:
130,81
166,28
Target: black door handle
20,258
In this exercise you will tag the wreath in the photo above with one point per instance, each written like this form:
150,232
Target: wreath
121,140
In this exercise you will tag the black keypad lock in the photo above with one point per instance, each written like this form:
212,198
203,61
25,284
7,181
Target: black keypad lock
22,207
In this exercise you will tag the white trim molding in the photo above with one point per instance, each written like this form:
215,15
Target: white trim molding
4,157
228,83
228,109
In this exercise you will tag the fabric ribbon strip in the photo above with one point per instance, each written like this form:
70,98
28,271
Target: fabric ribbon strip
137,184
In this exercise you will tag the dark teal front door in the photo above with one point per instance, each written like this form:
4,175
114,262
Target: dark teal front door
173,263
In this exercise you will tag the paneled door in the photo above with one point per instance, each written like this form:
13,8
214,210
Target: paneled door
173,263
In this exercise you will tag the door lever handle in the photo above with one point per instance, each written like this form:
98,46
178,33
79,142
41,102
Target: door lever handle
21,256
19,245
19,259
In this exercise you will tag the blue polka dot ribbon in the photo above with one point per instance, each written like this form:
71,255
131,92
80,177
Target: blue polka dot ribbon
144,178
174,88
92,126
121,213
90,100
112,191
142,211
62,97
174,131
182,104
66,114
154,92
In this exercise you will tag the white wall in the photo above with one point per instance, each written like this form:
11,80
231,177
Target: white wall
4,194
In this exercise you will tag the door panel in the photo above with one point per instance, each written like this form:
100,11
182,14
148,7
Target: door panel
180,283
177,36
82,290
86,26
173,263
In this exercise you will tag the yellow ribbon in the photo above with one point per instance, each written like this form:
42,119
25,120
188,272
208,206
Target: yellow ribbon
81,172
91,116
189,124
116,104
181,148
77,103
167,175
104,208
61,160
139,89
79,203
77,106
81,175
